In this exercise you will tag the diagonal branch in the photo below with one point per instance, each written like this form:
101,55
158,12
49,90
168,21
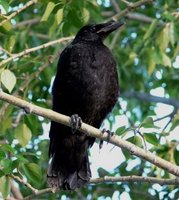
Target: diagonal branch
24,183
131,6
15,191
91,131
28,22
27,51
8,18
140,17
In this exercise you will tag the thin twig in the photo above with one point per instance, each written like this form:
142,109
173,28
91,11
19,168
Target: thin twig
18,119
39,192
8,18
27,51
140,17
151,98
91,131
115,39
130,7
5,51
28,22
41,36
24,183
115,6
172,115
127,2
133,16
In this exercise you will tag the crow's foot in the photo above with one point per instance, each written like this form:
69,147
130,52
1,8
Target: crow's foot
75,122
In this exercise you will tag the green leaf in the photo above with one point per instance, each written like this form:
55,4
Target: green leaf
5,186
148,123
11,43
151,138
4,4
175,122
1,173
7,123
25,156
7,148
102,172
151,62
151,29
120,130
126,153
6,166
2,154
85,15
32,171
52,28
152,57
59,16
163,38
176,156
48,10
7,26
22,159
93,2
166,60
135,140
8,79
172,33
23,134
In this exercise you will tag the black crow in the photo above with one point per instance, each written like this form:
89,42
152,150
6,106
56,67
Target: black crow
86,87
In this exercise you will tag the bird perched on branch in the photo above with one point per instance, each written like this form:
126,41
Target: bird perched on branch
85,87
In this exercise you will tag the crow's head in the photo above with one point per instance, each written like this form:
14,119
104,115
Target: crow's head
97,32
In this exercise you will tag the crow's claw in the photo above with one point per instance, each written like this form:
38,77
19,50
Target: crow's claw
75,122
101,144
110,134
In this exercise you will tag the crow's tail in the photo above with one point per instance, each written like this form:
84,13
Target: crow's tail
60,177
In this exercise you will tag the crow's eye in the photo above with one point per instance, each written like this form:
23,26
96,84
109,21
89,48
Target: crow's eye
93,29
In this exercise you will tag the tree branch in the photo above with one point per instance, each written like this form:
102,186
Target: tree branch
110,179
5,51
133,15
131,6
16,192
133,178
28,22
27,81
40,192
139,17
24,183
8,18
91,131
115,6
27,51
151,98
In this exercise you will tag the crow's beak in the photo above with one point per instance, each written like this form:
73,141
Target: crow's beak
109,27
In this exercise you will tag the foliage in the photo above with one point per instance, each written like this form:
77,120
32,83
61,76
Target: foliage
146,54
